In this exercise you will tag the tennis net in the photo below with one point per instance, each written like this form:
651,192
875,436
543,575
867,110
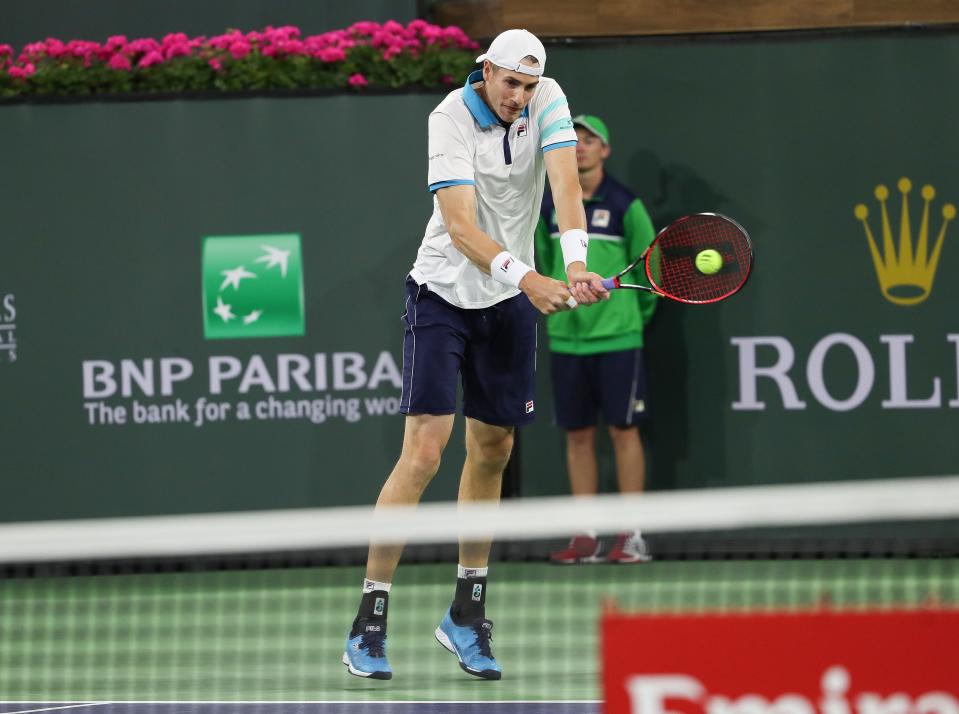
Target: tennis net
255,607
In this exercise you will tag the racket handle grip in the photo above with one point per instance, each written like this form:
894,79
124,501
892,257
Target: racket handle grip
610,283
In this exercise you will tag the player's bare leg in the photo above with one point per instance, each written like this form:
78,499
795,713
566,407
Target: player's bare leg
424,439
464,630
487,453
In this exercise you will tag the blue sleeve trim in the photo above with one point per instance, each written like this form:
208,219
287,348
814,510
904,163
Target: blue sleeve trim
560,145
552,105
558,125
456,182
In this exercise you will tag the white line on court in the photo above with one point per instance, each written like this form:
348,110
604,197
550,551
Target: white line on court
52,709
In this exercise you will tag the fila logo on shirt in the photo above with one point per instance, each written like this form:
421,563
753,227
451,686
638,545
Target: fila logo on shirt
529,407
521,130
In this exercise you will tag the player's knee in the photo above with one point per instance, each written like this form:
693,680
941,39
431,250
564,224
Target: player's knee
424,458
493,454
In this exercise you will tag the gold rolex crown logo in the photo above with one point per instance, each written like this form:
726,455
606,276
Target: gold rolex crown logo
905,277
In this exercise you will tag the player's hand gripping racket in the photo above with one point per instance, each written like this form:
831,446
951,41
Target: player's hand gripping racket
697,259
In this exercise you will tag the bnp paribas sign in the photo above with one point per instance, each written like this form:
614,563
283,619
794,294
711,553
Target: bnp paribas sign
252,286
905,255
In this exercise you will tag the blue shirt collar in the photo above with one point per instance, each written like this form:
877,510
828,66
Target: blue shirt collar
481,112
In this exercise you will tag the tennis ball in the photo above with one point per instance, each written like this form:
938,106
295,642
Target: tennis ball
709,261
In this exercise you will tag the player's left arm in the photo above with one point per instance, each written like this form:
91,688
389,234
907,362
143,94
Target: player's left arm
586,287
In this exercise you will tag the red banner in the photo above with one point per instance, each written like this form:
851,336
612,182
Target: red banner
903,662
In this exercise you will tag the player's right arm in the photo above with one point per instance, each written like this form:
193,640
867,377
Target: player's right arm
458,206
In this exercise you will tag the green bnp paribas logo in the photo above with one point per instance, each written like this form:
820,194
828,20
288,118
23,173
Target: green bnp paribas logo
252,286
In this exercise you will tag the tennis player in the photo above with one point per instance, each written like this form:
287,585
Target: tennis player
471,308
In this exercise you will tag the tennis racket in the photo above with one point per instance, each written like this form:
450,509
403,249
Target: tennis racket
697,259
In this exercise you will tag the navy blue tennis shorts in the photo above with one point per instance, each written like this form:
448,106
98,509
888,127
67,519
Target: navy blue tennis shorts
493,351
613,383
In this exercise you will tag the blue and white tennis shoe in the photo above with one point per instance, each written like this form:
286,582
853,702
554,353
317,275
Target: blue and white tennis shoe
365,653
471,645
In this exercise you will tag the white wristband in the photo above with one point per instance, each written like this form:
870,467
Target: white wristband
574,243
506,269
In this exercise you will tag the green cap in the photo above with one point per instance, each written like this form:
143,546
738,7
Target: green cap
594,125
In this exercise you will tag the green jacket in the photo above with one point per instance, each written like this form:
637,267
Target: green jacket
619,230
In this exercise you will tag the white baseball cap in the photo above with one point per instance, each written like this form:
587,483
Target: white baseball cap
510,47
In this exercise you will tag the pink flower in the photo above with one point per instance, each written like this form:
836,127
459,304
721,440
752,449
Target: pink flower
240,49
144,45
55,48
431,34
116,43
120,63
392,26
290,32
81,48
364,28
6,51
330,54
35,50
215,64
448,79
181,49
221,42
22,72
290,47
174,38
381,39
357,80
150,59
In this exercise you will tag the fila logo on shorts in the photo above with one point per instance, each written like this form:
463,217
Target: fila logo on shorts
529,407
477,592
379,605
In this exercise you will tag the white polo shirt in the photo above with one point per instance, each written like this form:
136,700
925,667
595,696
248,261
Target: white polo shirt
469,145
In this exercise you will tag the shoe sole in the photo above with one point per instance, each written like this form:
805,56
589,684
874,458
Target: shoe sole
577,561
630,561
445,641
366,675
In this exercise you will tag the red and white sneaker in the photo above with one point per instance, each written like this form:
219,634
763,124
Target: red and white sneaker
629,548
582,548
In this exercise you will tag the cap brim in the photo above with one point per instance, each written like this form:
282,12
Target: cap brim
591,130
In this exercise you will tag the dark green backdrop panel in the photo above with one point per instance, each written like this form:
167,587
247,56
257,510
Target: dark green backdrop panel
786,135
105,207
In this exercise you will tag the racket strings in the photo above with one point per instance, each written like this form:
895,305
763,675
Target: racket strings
671,265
